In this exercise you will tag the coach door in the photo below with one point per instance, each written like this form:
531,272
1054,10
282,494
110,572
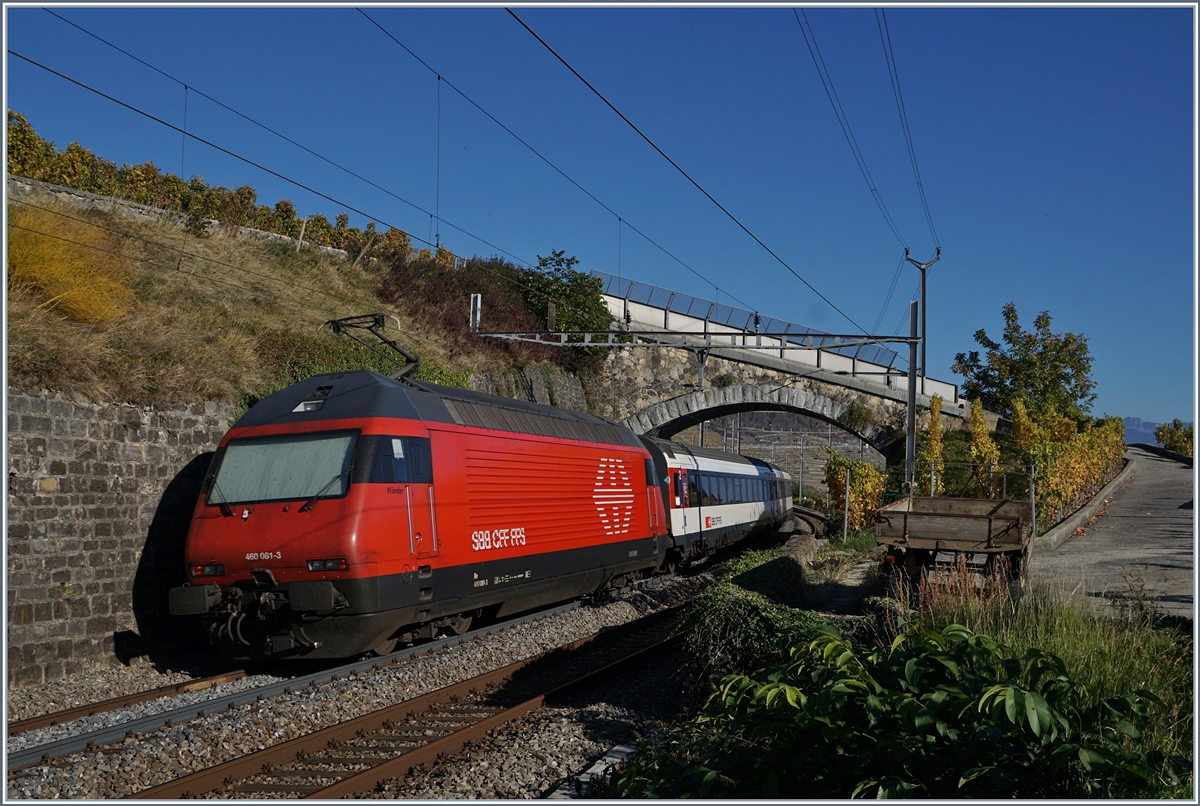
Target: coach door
679,498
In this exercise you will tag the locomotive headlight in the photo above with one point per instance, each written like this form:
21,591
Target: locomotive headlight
211,570
335,564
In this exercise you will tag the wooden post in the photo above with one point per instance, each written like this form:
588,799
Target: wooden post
365,248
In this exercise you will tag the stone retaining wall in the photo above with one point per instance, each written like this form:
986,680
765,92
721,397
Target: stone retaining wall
99,498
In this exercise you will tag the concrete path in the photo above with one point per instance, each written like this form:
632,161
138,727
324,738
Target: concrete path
1142,545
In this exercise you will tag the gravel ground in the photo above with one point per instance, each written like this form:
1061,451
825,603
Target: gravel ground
176,750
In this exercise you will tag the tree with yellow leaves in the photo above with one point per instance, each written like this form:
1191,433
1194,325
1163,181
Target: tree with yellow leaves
931,465
984,453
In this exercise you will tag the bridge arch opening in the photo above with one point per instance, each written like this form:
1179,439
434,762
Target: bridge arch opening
791,427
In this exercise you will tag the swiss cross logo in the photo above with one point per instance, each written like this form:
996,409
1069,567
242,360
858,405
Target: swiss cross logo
707,522
613,495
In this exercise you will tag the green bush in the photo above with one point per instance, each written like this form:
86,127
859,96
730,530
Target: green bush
745,621
940,713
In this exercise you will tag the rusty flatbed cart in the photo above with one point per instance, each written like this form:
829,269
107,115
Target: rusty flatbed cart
991,537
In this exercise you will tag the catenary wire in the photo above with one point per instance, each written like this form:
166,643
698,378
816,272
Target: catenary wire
889,54
284,137
685,174
342,168
251,162
844,122
888,299
378,187
540,156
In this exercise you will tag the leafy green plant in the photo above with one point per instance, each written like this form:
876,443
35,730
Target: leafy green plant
939,713
1130,646
858,417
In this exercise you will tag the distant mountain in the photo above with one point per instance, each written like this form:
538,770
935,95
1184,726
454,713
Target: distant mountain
1138,430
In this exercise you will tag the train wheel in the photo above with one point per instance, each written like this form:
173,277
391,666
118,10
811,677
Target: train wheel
384,648
458,625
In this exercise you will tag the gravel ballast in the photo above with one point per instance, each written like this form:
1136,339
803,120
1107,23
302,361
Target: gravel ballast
176,750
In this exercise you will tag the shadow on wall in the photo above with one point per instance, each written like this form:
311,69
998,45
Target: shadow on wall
162,568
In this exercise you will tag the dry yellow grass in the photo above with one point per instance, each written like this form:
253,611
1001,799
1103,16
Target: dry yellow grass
68,264
144,313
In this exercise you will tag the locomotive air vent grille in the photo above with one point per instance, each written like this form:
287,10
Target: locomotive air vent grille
524,422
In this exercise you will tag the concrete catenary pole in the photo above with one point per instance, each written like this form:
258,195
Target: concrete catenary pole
910,448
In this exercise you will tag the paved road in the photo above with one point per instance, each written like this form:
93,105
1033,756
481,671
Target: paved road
1145,537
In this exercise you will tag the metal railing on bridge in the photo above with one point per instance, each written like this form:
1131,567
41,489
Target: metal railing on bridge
653,306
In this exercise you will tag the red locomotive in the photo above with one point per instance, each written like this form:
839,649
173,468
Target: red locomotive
350,511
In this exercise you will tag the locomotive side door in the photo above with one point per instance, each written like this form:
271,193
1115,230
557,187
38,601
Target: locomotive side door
422,523
413,465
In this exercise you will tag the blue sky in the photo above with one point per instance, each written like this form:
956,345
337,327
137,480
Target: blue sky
1056,148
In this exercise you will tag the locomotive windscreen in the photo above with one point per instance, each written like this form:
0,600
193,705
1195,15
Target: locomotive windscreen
288,467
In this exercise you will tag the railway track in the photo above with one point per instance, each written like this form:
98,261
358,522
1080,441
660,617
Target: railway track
358,754
816,519
93,739
71,714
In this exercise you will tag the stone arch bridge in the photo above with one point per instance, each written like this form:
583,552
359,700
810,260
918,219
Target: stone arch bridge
877,421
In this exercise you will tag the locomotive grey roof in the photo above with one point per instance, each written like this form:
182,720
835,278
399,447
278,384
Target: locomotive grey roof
673,449
357,394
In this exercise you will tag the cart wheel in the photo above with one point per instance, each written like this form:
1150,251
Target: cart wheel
1018,582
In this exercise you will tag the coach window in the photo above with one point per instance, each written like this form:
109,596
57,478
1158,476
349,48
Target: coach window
694,490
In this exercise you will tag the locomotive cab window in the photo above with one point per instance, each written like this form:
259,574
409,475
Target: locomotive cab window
284,467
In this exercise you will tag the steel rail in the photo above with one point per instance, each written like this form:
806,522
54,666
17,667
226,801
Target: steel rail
385,762
71,714
19,759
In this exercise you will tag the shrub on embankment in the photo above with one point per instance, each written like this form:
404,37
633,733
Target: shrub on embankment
941,712
33,157
969,696
748,619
